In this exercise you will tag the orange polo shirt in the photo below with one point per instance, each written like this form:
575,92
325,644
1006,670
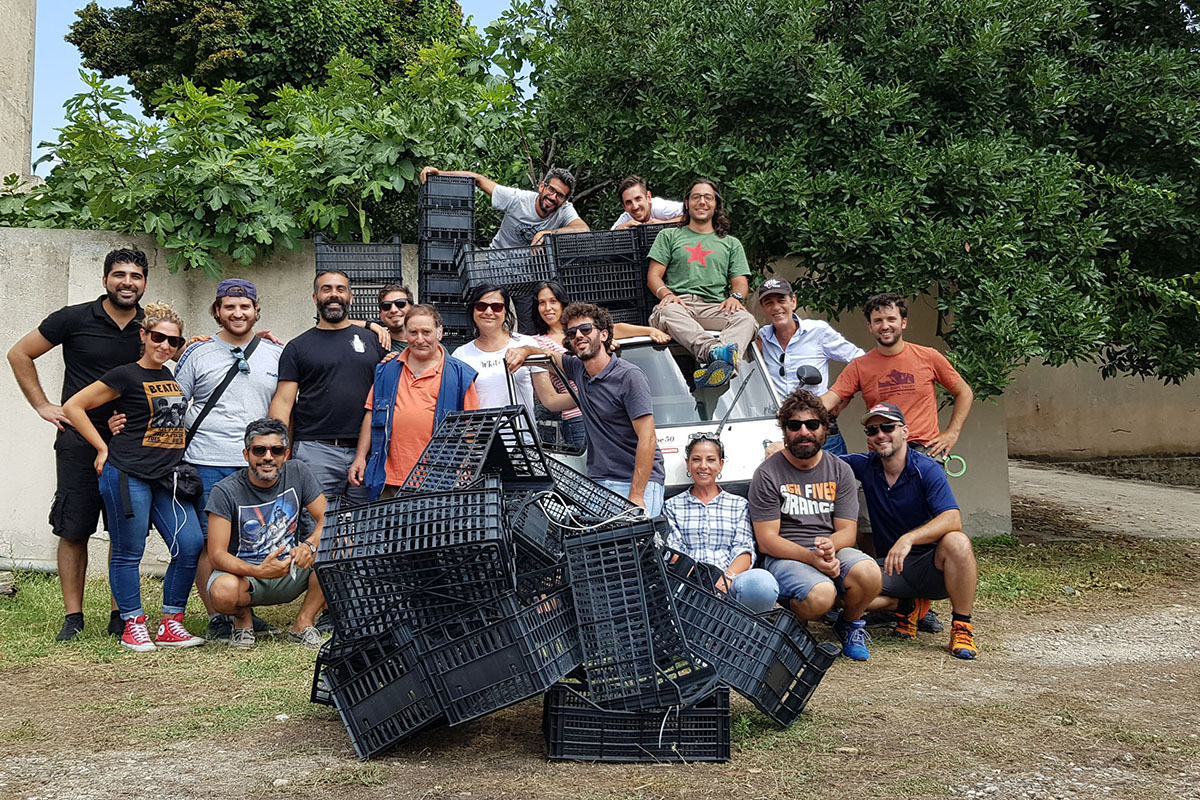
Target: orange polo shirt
412,420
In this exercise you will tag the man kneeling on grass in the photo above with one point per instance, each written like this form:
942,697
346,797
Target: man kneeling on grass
267,564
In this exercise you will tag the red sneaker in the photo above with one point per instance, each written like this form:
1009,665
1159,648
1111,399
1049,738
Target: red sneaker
136,637
171,633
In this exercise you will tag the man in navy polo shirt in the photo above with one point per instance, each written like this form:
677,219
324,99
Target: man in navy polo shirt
917,527
615,399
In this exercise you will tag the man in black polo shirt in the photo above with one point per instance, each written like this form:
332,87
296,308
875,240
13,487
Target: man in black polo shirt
324,376
95,337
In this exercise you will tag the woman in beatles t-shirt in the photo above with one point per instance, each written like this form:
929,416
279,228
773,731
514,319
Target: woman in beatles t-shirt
137,464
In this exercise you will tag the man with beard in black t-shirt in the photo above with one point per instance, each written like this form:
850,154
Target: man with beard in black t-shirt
96,337
324,376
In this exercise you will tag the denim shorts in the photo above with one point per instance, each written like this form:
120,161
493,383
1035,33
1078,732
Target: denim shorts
796,579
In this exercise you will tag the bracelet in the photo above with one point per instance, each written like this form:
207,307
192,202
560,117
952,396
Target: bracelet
664,286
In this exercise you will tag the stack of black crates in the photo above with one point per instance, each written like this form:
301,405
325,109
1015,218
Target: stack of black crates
369,266
447,222
497,574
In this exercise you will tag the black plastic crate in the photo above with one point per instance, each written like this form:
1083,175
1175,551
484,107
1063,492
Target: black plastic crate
518,269
634,650
576,729
438,255
376,263
622,283
648,233
381,692
771,659
414,557
447,191
469,444
587,502
447,224
503,652
594,248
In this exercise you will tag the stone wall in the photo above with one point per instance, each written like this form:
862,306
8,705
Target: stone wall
16,85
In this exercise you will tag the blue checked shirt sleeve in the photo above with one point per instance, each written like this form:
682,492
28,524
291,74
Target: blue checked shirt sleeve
671,510
739,524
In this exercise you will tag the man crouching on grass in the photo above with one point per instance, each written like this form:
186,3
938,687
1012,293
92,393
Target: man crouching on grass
268,563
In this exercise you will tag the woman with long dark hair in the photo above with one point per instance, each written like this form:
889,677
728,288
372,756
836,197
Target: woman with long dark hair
138,481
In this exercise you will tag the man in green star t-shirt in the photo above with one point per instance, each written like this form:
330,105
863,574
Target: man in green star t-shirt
698,273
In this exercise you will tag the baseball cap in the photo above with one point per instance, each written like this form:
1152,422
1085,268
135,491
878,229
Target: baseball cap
237,287
774,286
885,410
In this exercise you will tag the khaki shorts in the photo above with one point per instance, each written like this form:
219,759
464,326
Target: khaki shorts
271,591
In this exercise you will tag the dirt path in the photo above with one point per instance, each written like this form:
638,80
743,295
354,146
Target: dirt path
1109,505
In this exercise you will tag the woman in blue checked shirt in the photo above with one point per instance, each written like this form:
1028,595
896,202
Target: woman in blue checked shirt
713,526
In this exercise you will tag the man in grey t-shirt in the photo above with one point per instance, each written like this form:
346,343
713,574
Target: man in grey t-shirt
804,507
528,216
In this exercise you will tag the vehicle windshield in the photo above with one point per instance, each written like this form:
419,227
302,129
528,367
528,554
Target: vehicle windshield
669,369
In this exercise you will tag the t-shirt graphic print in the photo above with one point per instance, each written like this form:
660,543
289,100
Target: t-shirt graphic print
167,408
264,527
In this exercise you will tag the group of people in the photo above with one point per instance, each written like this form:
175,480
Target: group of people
240,454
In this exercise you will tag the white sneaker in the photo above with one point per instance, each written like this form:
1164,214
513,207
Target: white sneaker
171,633
136,637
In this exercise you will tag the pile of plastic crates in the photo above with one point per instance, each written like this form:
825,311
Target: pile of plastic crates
496,575
368,266
447,223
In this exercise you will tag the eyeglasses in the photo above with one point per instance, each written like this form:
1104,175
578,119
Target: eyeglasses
794,425
387,305
260,450
158,338
697,197
585,328
886,427
496,308
550,190
240,357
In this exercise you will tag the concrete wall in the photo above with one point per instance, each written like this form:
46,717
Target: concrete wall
45,270
16,85
982,492
1070,413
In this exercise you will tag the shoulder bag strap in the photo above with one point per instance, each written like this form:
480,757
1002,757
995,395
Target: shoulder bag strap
220,390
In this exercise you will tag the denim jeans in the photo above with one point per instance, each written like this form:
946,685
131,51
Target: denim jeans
653,496
176,523
835,444
756,589
209,477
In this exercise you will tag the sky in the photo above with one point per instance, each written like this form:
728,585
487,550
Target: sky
56,63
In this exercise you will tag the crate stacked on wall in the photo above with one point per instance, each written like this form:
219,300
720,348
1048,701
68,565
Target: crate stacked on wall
369,266
447,222
498,574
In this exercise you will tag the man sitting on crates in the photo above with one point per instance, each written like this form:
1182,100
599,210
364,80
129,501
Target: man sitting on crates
528,216
692,268
643,208
268,563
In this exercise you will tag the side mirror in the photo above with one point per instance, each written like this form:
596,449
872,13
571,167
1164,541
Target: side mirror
809,375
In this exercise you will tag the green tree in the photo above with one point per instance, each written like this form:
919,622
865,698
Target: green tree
264,44
218,178
1033,166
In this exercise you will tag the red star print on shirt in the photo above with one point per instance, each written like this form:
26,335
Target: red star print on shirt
698,253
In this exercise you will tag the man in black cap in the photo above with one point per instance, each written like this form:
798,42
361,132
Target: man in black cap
790,343
917,527
95,336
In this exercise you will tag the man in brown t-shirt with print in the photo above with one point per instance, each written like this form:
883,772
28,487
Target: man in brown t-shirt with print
803,505
904,374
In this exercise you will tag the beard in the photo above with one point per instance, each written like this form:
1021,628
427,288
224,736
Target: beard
117,302
805,449
329,313
268,476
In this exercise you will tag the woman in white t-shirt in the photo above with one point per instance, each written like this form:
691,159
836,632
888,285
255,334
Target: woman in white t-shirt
493,320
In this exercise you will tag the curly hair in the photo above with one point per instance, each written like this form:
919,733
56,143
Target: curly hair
158,313
801,400
600,316
720,218
886,300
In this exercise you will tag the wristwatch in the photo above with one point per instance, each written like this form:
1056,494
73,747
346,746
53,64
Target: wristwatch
741,298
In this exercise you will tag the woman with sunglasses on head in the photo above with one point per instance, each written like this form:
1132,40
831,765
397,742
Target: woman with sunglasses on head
493,322
137,479
713,526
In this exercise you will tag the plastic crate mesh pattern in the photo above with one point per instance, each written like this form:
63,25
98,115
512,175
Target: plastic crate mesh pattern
518,269
447,191
374,264
470,443
595,247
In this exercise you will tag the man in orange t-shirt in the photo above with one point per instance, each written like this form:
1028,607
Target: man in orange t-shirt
904,374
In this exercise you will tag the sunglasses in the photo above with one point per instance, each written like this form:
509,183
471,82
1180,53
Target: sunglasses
159,338
387,305
886,427
794,425
240,357
782,364
496,308
585,328
709,435
260,450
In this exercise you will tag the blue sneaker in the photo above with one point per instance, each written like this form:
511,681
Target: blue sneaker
725,352
717,373
854,638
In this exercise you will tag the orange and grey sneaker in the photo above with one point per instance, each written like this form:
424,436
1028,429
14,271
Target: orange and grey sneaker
906,624
962,640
